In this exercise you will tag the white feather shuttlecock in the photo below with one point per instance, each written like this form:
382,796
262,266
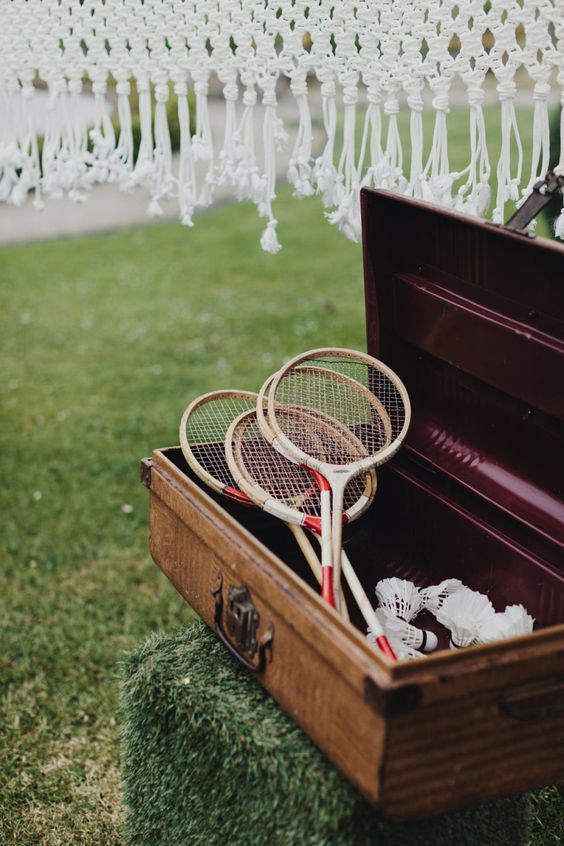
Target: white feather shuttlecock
514,621
463,613
419,639
432,597
401,649
400,597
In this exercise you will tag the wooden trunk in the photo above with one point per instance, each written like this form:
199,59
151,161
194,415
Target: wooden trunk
472,319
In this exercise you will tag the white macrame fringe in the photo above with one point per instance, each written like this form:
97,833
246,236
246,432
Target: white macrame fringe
368,60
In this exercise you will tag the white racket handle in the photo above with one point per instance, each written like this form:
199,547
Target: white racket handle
359,594
307,549
366,608
326,549
338,490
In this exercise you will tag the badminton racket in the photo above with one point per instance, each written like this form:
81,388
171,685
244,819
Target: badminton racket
362,394
203,427
307,432
288,491
350,513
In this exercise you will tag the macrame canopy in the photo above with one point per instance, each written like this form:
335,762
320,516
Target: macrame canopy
367,58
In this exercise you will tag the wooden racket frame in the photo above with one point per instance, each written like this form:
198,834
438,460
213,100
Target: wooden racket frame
232,492
339,475
292,514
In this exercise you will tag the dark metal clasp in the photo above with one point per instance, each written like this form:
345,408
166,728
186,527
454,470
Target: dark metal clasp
541,195
243,621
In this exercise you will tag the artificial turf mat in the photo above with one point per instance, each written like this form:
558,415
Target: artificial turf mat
210,760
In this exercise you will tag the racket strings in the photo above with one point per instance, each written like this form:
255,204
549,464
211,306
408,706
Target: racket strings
359,396
277,477
206,428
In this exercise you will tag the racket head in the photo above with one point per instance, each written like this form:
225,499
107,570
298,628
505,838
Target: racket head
202,431
270,479
361,393
354,507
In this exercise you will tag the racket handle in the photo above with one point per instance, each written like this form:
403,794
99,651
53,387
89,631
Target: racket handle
307,550
338,489
327,586
384,644
365,607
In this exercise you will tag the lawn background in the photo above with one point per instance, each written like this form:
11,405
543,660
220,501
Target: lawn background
104,340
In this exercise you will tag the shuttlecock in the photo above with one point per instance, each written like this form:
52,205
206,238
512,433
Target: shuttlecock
400,597
401,649
512,622
433,597
411,636
463,613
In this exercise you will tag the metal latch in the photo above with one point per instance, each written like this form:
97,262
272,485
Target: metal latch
541,195
242,620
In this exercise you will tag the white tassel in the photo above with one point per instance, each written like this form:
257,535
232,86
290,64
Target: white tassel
249,182
51,181
392,176
10,155
186,169
438,180
202,142
507,185
269,241
540,155
371,139
325,172
143,170
163,180
299,166
474,196
102,134
124,153
229,155
347,214
273,137
415,103
26,139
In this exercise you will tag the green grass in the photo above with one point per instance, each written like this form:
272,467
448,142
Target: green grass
209,759
104,340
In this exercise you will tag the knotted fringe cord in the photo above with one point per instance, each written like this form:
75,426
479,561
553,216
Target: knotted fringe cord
202,142
392,176
163,181
274,138
102,135
347,214
229,155
415,103
249,183
436,184
299,167
143,170
397,47
540,156
474,196
186,169
324,170
372,139
10,156
52,157
21,171
122,164
507,185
